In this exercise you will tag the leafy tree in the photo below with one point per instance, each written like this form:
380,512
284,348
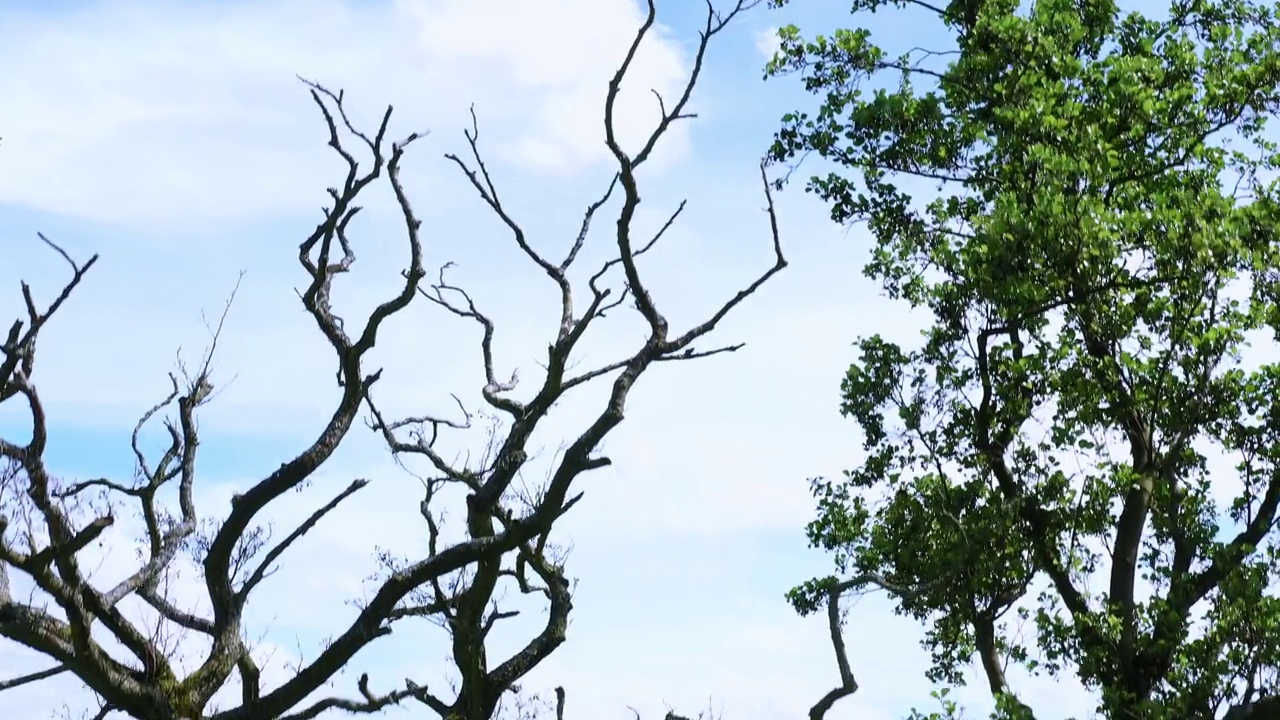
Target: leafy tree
103,635
1081,439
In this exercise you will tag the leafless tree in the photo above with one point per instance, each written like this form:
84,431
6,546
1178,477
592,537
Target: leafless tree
45,523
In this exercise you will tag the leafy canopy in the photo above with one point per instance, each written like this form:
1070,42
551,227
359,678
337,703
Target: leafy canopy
1079,440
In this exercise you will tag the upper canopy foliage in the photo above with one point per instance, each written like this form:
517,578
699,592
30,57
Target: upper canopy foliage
1081,415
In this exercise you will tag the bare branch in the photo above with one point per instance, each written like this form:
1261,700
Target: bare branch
18,348
454,583
780,262
586,225
32,677
149,687
369,702
492,386
263,569
174,614
835,590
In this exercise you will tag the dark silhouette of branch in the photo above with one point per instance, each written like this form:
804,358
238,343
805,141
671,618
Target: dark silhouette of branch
467,610
507,534
146,685
32,677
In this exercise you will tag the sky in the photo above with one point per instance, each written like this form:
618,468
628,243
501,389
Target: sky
174,140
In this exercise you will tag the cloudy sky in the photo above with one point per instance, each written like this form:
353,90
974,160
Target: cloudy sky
173,139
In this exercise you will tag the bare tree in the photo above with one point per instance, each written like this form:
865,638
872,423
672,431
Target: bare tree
47,523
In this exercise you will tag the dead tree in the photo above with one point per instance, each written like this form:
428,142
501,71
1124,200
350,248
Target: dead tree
467,607
46,523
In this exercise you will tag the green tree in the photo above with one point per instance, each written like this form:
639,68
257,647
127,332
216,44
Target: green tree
1100,252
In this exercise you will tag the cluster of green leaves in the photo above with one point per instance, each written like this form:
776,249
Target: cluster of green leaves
1102,247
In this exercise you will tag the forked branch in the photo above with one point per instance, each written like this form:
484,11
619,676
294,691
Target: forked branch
490,518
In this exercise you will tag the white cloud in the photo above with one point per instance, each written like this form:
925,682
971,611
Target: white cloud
767,42
560,56
181,122
202,120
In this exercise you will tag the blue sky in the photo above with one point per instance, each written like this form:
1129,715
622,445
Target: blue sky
172,139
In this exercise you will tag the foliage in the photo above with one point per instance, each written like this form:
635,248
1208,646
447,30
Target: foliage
1099,254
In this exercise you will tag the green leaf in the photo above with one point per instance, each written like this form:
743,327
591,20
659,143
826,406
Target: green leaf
1097,248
